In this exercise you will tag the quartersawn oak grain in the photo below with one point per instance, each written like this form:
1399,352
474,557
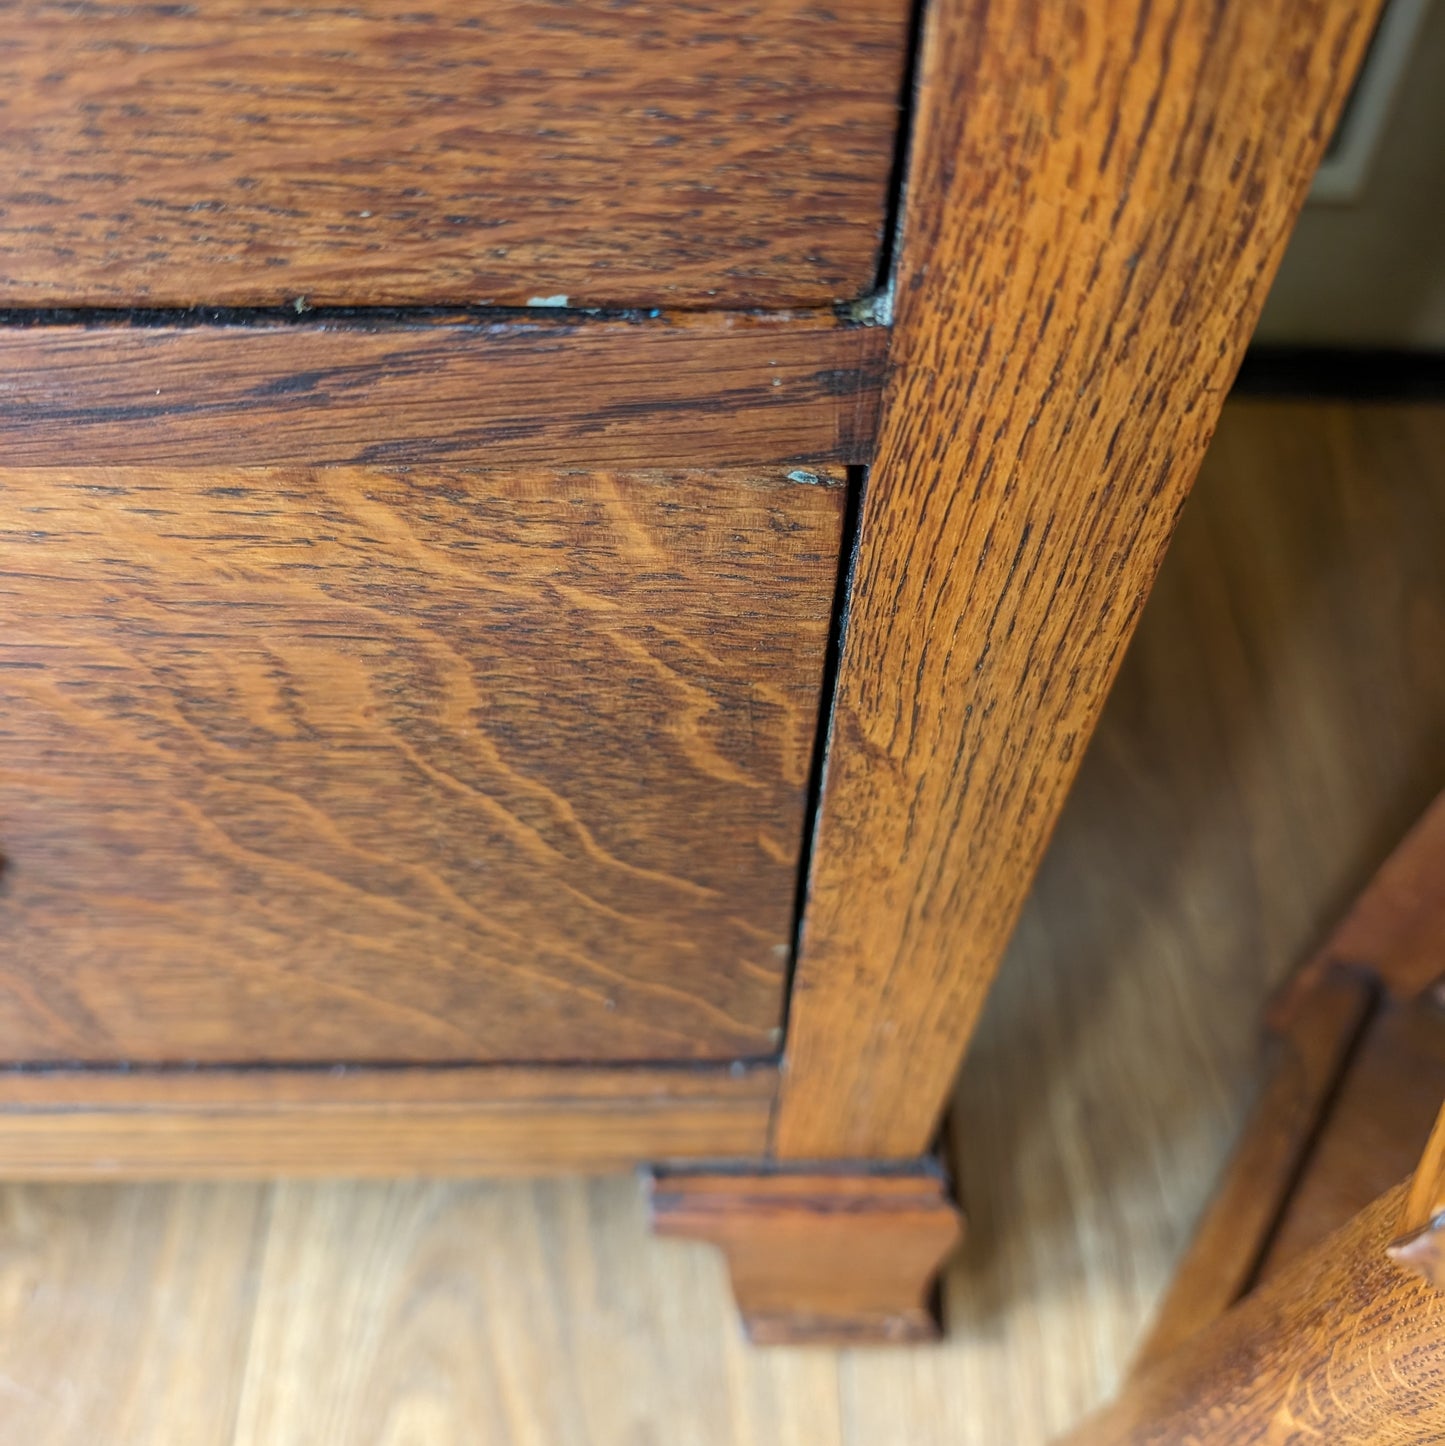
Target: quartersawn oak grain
1344,1346
363,764
716,153
426,1300
483,1120
669,391
1106,190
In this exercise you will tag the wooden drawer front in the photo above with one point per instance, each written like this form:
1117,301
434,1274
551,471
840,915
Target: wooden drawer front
368,764
730,152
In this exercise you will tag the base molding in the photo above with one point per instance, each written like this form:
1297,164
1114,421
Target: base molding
375,1121
826,1256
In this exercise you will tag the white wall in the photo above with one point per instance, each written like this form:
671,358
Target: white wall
1372,272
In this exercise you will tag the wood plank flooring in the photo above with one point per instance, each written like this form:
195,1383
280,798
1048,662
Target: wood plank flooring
1279,721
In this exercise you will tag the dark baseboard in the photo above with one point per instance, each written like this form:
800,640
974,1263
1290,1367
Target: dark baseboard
1340,373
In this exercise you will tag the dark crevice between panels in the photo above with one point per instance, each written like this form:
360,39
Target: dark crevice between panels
842,592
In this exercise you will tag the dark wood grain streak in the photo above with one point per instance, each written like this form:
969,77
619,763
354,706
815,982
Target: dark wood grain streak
502,1120
362,764
672,391
717,153
1106,190
1346,1347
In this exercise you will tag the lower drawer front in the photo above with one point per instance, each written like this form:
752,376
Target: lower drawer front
365,764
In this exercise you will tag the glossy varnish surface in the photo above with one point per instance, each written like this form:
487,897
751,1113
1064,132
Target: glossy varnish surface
432,765
635,154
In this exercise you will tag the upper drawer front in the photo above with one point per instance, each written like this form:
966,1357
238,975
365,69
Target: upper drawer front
623,154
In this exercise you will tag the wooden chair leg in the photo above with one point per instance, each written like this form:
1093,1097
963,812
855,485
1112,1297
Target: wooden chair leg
1345,1346
1357,1073
1337,1337
1223,1259
832,1256
1421,1246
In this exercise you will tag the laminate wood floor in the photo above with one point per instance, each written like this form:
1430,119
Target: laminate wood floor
1278,723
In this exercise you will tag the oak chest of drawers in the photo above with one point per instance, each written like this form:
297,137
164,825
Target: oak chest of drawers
548,601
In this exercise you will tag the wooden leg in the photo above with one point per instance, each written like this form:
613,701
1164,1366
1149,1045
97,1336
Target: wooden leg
1312,1050
829,1256
1358,1074
1109,185
1422,1246
1344,1346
